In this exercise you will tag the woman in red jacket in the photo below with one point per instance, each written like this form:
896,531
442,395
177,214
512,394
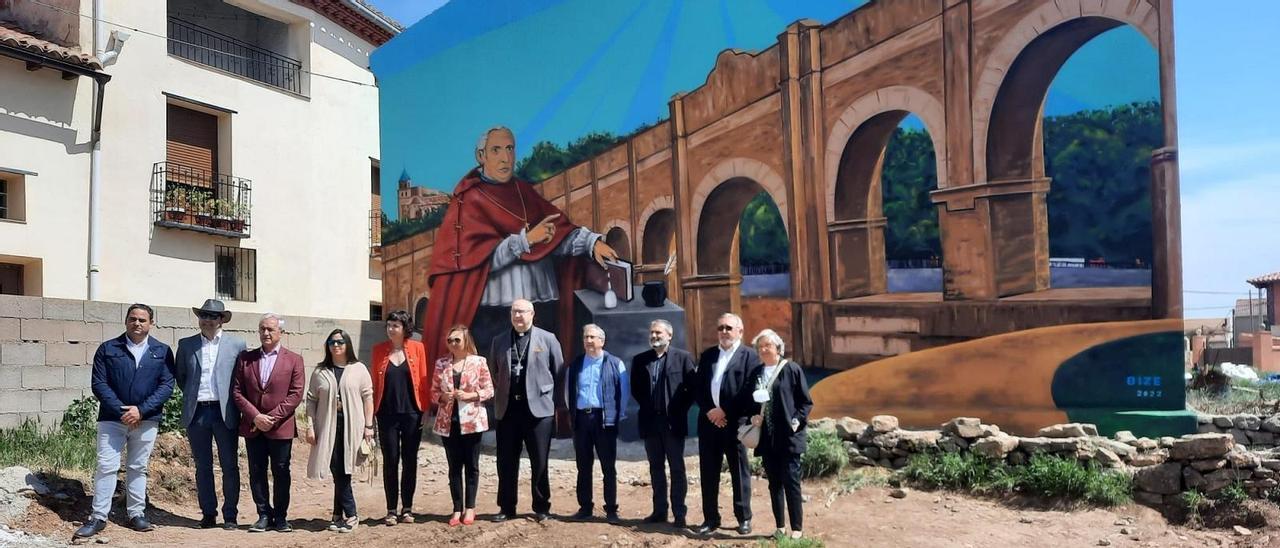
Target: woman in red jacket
401,396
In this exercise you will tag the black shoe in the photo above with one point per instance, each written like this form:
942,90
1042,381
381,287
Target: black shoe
655,518
541,516
259,526
140,523
90,528
208,522
612,517
231,525
283,527
582,515
707,528
680,523
502,516
744,527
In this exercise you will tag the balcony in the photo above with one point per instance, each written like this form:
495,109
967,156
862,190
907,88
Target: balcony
189,198
375,233
220,51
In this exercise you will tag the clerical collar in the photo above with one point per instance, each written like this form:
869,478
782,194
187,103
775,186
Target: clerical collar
520,334
486,179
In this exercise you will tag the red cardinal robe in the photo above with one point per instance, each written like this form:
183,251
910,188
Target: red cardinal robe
479,217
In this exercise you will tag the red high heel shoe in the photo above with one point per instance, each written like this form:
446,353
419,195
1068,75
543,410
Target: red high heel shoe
469,517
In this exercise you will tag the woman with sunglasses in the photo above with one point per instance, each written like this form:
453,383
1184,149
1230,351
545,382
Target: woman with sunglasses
340,405
462,386
401,396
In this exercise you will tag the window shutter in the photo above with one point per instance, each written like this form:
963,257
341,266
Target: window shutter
192,142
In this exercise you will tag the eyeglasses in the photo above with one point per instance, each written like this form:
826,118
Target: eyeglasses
455,340
209,315
337,342
724,328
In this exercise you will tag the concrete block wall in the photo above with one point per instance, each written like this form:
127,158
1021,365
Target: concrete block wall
47,347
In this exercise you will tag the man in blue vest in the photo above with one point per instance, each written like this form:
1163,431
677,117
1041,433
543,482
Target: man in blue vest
132,379
597,389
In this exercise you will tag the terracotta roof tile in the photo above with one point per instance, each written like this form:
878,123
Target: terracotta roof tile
1265,279
13,35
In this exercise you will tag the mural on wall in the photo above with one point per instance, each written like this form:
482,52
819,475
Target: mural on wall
895,187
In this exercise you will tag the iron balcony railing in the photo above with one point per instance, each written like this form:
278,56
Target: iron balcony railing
375,232
207,47
194,199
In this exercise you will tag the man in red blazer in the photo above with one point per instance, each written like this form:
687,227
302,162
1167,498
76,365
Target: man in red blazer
267,386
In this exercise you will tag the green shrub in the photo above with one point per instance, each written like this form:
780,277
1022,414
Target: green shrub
1044,476
824,456
82,415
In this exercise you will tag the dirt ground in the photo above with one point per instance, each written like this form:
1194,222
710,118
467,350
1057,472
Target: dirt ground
865,517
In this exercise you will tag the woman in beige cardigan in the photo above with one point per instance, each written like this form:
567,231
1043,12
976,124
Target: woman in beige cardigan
340,405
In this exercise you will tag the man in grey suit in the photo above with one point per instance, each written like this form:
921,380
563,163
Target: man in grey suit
203,371
528,377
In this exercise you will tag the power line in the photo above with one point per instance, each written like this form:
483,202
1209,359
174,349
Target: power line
166,38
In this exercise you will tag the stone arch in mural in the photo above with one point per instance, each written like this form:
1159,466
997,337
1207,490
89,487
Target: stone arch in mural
1008,114
755,171
617,234
854,158
419,310
659,235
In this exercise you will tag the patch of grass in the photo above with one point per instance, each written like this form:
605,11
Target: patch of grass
1241,396
1193,501
1233,494
824,456
1044,476
51,451
853,480
780,541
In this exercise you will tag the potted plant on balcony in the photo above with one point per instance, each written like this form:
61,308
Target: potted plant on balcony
223,214
202,209
175,205
239,216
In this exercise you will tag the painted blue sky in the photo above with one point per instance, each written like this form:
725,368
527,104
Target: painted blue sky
608,66
612,66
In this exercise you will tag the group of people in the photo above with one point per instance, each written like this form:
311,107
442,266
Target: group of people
230,392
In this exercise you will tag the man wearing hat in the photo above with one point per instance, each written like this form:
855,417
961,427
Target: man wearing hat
203,371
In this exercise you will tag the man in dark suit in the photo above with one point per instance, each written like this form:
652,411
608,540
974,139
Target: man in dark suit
528,374
267,387
132,380
661,381
725,376
597,392
203,370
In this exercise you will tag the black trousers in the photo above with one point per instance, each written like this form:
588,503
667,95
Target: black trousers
664,447
518,427
344,501
463,454
400,435
591,435
268,454
207,427
783,469
714,446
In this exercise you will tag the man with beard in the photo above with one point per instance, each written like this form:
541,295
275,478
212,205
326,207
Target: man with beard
661,382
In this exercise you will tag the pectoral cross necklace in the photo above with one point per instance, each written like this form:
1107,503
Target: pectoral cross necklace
518,366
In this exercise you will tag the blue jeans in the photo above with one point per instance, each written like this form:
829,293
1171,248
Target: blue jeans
115,438
206,428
